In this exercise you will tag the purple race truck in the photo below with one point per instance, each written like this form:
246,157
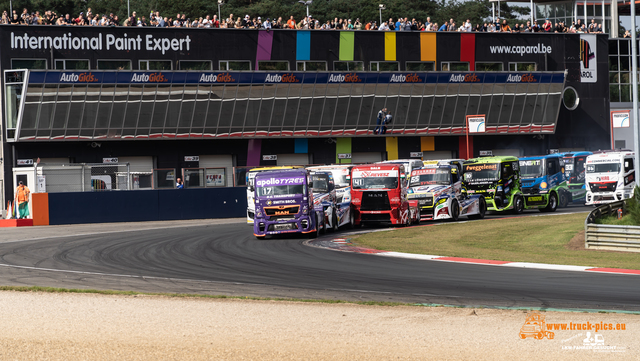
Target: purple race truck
284,204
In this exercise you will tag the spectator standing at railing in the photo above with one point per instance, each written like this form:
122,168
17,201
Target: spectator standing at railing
444,26
179,184
467,26
505,27
22,198
452,25
384,27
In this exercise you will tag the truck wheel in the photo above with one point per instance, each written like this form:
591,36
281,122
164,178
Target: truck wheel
455,211
564,200
553,204
334,222
352,219
482,209
518,206
417,216
316,233
323,230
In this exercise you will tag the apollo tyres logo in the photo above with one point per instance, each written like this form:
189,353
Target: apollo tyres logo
464,78
78,78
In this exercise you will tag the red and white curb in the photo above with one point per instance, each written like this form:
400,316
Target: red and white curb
343,245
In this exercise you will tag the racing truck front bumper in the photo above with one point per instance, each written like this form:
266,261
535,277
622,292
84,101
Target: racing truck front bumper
606,197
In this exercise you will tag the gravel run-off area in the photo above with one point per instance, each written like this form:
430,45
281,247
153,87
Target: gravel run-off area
68,326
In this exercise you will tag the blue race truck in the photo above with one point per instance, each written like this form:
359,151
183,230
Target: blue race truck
543,182
284,204
574,172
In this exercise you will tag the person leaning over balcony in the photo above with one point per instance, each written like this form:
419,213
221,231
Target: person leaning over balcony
505,27
384,27
22,198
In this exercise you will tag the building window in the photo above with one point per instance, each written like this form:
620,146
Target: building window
311,66
348,66
155,65
489,66
66,64
281,65
234,65
420,66
194,65
522,66
384,66
36,64
114,64
454,66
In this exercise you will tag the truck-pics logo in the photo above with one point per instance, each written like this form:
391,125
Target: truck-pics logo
535,326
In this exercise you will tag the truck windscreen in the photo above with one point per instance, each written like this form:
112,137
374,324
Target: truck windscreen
603,168
320,184
531,168
482,173
375,180
423,177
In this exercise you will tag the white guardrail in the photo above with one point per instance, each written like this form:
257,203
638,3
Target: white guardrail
608,237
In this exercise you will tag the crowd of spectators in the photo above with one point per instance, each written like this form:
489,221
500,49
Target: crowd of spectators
180,20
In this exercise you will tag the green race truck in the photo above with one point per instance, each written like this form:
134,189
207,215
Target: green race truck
497,179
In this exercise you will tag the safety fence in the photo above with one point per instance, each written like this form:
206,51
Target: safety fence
610,237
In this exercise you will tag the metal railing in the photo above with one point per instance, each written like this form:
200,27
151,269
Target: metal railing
609,237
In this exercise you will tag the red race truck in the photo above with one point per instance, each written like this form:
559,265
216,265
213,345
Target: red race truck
379,195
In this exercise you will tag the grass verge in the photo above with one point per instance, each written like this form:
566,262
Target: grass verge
614,221
524,239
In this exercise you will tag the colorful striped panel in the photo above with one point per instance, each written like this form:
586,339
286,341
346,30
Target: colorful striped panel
468,49
265,41
392,148
303,45
346,45
428,46
390,46
343,145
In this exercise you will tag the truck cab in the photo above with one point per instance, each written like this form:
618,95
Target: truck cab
324,197
342,181
610,177
574,172
543,182
284,204
251,174
497,179
379,195
436,191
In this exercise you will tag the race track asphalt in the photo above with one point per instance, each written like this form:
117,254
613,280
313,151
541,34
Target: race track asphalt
226,259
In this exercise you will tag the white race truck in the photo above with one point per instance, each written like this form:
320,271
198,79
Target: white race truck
610,177
437,192
342,180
